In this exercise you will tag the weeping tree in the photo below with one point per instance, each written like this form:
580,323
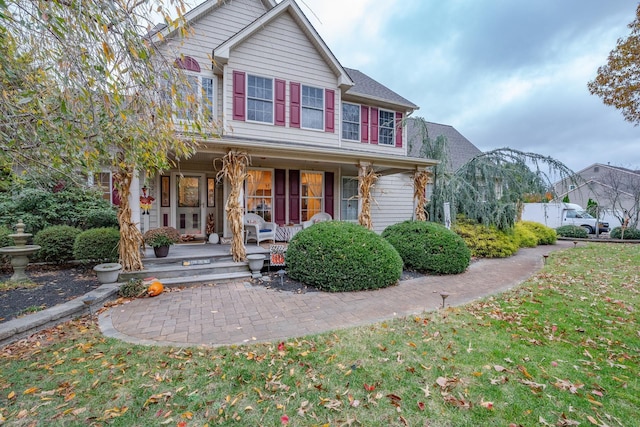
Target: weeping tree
85,89
490,187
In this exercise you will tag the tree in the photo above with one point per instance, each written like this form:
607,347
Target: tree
617,82
490,186
86,89
622,195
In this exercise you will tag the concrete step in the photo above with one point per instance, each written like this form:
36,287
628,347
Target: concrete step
205,278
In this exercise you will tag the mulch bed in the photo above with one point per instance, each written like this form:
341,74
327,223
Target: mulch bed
56,284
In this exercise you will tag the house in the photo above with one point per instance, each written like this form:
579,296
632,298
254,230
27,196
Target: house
459,149
615,189
310,126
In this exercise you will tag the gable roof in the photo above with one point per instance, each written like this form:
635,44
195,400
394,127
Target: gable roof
461,150
367,88
222,52
198,12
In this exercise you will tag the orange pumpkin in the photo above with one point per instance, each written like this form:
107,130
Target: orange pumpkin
155,288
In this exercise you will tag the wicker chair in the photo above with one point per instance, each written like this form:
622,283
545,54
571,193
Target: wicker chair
319,217
256,228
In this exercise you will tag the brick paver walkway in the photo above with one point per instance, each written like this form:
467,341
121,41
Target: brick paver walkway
238,312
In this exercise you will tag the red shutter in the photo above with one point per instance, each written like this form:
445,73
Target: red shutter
398,130
329,111
280,102
280,201
364,123
294,196
239,92
374,125
328,193
294,105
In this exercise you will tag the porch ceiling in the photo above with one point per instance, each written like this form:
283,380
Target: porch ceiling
307,156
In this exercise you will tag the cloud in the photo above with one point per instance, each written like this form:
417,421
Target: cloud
504,73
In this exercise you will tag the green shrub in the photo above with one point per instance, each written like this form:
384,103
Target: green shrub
132,289
56,243
545,235
524,236
40,208
97,245
98,218
629,233
428,247
486,242
5,240
339,256
573,231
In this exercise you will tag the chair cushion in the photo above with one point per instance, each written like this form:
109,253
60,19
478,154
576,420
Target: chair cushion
265,230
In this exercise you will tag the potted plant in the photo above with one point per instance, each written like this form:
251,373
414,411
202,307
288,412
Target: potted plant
160,239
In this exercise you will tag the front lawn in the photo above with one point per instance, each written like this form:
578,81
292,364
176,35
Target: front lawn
562,349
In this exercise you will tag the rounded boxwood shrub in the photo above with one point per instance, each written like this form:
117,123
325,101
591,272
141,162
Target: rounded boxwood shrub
486,242
97,245
545,235
525,237
99,218
428,247
629,233
56,243
338,256
573,231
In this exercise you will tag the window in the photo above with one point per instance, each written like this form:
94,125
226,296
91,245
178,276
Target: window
312,107
194,96
386,127
351,122
102,181
349,199
259,99
311,194
259,190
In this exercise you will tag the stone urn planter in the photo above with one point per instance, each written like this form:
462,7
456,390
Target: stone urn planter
108,273
256,261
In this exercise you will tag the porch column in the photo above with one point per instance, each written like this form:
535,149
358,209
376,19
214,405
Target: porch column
366,179
421,178
134,199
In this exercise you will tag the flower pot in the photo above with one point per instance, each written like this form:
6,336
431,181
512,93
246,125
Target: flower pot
108,273
256,261
161,251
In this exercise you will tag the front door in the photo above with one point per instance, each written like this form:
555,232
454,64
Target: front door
190,206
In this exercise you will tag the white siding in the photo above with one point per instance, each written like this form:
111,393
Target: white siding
281,50
393,203
214,28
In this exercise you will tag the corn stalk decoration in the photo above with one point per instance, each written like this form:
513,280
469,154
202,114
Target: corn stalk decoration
234,168
420,181
366,180
130,235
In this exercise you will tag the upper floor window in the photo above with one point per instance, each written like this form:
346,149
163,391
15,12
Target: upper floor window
194,96
312,107
386,127
351,122
259,99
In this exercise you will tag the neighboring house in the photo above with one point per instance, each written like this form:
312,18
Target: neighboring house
309,125
460,149
614,188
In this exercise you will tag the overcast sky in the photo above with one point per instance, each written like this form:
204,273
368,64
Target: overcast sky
504,73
